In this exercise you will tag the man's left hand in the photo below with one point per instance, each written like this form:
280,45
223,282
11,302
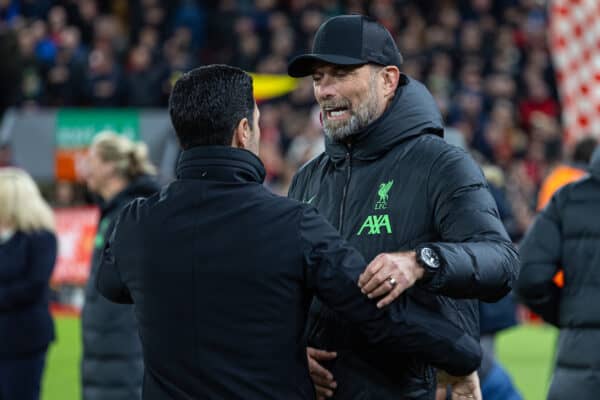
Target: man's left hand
390,274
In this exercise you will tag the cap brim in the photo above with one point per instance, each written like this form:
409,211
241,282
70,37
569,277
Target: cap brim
304,65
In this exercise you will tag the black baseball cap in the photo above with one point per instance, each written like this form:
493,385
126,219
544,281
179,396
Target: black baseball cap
348,40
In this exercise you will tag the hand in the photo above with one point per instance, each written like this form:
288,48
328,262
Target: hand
440,393
376,280
321,377
463,387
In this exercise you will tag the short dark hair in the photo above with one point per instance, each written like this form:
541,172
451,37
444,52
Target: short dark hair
584,149
553,150
207,103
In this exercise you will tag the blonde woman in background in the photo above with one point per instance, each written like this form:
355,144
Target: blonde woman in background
118,171
27,255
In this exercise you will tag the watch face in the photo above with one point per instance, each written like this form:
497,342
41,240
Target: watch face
430,257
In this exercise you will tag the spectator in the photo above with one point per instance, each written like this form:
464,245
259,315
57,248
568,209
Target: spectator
65,78
32,82
538,99
28,250
103,86
112,364
10,69
144,79
559,172
566,234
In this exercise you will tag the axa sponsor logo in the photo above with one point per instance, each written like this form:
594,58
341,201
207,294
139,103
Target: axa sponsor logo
375,225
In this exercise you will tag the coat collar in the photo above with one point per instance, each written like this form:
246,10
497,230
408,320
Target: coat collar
142,186
221,163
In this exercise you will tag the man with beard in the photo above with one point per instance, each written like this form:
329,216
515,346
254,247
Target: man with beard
390,183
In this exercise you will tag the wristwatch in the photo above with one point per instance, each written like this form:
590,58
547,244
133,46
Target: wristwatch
429,259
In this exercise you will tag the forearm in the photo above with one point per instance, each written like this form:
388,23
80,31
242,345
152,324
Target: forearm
483,270
434,339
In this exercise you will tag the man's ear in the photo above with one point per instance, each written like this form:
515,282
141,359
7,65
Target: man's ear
391,79
241,134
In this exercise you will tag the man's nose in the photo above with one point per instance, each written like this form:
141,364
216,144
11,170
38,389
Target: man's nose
326,89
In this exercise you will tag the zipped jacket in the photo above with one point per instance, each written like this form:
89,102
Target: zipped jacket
393,186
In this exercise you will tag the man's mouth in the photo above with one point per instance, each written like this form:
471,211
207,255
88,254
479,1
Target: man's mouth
336,113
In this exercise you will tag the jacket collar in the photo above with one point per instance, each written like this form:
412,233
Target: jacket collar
142,186
413,112
221,163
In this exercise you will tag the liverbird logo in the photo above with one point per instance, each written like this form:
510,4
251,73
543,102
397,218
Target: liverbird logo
384,189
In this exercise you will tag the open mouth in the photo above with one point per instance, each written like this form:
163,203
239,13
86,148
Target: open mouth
334,113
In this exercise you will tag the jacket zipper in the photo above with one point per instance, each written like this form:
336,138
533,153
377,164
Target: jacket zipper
345,190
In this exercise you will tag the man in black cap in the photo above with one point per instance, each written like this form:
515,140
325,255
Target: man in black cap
390,183
222,271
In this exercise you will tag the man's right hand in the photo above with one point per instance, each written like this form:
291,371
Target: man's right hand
321,377
463,387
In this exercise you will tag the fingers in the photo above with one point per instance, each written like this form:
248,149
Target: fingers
376,280
373,267
323,386
320,355
380,284
467,388
322,374
323,392
322,378
440,393
402,267
470,396
393,295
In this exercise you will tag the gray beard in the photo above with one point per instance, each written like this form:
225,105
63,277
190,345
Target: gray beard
360,119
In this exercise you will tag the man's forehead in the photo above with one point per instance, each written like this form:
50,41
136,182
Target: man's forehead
323,67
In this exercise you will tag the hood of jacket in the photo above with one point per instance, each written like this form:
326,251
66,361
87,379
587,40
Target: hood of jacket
413,112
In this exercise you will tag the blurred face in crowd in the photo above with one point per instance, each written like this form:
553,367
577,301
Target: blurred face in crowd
97,172
350,97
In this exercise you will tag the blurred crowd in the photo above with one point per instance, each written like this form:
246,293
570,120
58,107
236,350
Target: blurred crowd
486,62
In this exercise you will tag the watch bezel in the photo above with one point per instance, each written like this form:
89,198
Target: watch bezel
430,259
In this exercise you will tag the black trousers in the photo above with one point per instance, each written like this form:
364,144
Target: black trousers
21,376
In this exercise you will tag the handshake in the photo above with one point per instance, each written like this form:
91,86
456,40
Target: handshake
461,387
386,278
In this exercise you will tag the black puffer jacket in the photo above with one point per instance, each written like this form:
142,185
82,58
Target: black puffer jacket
567,234
112,366
397,186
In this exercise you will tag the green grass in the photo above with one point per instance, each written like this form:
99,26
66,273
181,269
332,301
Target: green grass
526,352
61,377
